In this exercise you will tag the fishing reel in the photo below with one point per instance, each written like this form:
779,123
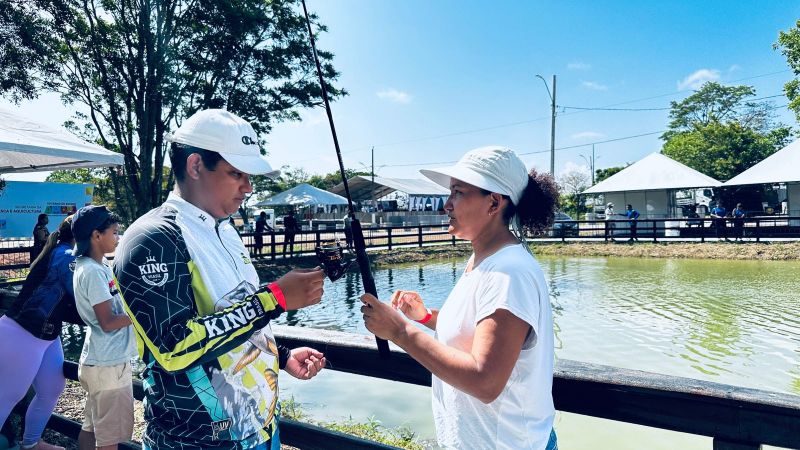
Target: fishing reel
335,261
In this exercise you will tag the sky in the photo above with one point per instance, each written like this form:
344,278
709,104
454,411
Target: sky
430,80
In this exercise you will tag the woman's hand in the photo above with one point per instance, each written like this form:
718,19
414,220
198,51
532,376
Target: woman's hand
410,303
381,319
304,363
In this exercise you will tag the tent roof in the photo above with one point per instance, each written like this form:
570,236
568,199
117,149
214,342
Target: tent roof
361,188
653,172
303,195
28,146
780,167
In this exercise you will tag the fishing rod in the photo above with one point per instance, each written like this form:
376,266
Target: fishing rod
355,225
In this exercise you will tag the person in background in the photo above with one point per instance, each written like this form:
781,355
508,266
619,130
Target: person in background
738,221
633,217
40,234
492,355
200,313
718,213
30,342
261,227
609,214
104,368
290,229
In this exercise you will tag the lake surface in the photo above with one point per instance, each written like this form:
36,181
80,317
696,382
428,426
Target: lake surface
732,322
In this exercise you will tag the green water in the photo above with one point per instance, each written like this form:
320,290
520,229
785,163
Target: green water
732,322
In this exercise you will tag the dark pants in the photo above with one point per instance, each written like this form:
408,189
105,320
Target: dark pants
738,227
288,240
721,228
259,244
633,230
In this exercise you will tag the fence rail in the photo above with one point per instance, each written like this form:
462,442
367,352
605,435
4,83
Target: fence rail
15,254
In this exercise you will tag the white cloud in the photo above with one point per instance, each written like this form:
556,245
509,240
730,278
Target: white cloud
577,65
734,68
393,95
698,79
594,86
587,135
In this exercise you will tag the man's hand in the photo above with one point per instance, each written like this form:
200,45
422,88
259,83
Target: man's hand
304,363
302,287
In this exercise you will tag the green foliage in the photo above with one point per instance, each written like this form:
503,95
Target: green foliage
602,174
402,437
723,151
716,131
140,68
789,45
289,178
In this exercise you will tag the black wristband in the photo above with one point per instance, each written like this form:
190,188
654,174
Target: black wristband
283,355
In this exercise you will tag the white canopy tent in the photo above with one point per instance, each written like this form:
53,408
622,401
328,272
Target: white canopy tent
782,166
303,195
28,146
649,186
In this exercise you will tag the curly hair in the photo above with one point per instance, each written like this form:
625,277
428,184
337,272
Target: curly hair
538,203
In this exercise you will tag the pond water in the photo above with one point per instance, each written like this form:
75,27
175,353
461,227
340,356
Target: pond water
732,322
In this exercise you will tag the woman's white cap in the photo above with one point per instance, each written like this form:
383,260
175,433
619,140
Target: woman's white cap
229,135
495,169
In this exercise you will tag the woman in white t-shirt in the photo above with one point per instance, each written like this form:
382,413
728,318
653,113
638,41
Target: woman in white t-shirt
492,355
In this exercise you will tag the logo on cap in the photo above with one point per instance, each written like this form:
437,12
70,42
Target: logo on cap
247,140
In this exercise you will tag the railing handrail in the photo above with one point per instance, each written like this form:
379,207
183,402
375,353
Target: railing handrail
730,414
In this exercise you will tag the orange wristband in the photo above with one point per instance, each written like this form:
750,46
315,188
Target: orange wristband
427,317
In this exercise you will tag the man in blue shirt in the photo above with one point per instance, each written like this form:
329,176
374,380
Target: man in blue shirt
720,226
633,216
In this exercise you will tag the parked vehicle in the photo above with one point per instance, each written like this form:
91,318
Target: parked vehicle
563,226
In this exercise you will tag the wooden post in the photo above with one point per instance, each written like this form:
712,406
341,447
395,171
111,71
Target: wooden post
419,234
758,230
389,237
272,245
654,231
702,230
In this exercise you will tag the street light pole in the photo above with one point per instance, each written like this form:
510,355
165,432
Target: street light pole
552,123
591,163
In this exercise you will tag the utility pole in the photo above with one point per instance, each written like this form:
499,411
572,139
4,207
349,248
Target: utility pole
374,203
552,123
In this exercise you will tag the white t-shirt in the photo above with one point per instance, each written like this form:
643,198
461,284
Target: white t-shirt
93,284
522,416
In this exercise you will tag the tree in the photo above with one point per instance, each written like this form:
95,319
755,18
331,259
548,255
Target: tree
789,44
139,67
571,185
602,174
716,131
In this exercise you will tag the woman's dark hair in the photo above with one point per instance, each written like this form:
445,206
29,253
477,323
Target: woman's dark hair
537,205
179,152
41,218
41,264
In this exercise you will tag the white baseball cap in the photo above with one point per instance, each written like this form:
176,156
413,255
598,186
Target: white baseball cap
229,135
495,169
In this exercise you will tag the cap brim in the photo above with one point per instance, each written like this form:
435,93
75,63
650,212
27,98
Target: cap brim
252,165
443,176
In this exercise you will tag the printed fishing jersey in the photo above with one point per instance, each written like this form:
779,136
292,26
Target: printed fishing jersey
202,329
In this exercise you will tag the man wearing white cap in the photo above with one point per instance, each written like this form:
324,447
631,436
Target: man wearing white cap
492,355
200,316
